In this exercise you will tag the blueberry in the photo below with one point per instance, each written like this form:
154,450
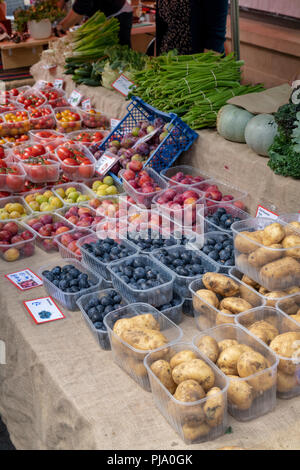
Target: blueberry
74,289
137,263
218,246
63,285
108,309
106,301
92,303
227,242
99,325
55,282
125,279
100,308
117,299
214,255
225,255
82,284
228,223
139,273
197,269
221,211
229,262
206,249
178,262
56,271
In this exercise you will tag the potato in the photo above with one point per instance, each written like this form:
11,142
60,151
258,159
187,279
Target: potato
247,280
249,363
221,319
273,233
264,330
214,407
293,290
287,345
146,320
209,346
137,367
296,317
229,357
263,382
289,306
291,227
220,284
208,298
182,356
263,291
285,270
241,261
195,369
144,339
226,343
235,305
121,325
286,382
188,391
273,296
193,433
292,241
263,255
163,372
240,393
246,242
250,296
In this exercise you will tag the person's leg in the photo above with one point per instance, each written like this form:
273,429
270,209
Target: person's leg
125,20
215,15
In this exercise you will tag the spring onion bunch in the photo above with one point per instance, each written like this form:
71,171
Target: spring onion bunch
193,86
93,37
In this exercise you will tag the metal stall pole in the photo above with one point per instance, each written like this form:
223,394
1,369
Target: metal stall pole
235,28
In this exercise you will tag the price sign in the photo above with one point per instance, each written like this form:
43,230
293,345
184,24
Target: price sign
75,98
263,212
86,104
58,83
106,162
25,279
43,310
114,123
122,84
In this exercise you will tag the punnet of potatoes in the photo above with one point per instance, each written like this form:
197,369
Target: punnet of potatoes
221,298
239,361
272,255
190,379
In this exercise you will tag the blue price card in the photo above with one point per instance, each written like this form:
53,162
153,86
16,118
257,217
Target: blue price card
24,280
43,310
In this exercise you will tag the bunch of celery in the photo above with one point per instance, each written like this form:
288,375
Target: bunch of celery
195,86
93,37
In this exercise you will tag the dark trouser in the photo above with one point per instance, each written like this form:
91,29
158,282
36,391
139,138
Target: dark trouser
125,20
208,25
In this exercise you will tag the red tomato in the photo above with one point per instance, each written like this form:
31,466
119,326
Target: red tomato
86,170
14,182
64,152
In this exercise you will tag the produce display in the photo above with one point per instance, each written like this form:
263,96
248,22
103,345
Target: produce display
31,100
43,201
15,241
219,247
67,120
73,194
77,163
67,243
81,216
104,187
46,227
12,208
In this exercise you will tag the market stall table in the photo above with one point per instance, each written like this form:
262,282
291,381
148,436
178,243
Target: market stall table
22,54
59,390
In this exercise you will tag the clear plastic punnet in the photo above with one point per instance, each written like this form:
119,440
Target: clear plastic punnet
281,333
85,136
208,315
252,395
68,243
293,219
215,191
38,171
81,188
176,175
16,122
93,118
144,198
11,206
129,358
20,246
63,124
99,179
42,118
80,171
45,136
181,284
217,237
69,299
13,177
267,252
155,296
174,313
101,336
231,214
194,421
97,264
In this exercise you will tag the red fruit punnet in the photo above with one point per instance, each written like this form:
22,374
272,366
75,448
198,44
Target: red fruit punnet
11,227
128,175
189,194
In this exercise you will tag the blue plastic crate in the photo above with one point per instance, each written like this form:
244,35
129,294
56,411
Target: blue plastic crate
179,138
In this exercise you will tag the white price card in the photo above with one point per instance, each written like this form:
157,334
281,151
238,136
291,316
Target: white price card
75,98
114,123
43,310
106,162
263,212
86,104
58,83
122,84
25,279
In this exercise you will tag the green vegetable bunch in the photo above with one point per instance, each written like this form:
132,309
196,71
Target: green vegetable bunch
42,9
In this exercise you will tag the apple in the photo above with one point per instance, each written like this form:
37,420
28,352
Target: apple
5,235
190,200
46,219
11,227
84,210
62,230
66,239
26,235
94,203
45,232
28,249
128,175
189,194
37,225
73,219
16,239
72,246
135,165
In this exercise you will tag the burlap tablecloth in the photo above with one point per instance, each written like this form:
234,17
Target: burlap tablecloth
230,162
59,390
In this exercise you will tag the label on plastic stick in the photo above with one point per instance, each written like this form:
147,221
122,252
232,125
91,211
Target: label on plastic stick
263,212
114,123
122,84
105,163
58,84
75,98
86,104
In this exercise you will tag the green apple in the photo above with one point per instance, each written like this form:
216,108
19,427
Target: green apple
108,180
83,198
111,190
137,157
135,131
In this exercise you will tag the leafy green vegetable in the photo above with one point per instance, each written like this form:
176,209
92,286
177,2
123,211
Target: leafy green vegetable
285,117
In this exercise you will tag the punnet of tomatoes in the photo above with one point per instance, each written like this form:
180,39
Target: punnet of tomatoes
14,93
51,94
93,118
41,170
23,152
44,135
42,118
16,122
88,137
3,153
59,103
12,177
8,105
67,119
31,98
13,141
77,163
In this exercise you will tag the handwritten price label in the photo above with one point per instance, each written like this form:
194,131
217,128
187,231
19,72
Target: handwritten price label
122,84
263,212
58,83
106,162
75,98
86,104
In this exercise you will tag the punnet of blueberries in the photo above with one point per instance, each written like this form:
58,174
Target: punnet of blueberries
69,278
97,307
220,249
150,240
138,275
107,250
222,218
173,303
185,263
